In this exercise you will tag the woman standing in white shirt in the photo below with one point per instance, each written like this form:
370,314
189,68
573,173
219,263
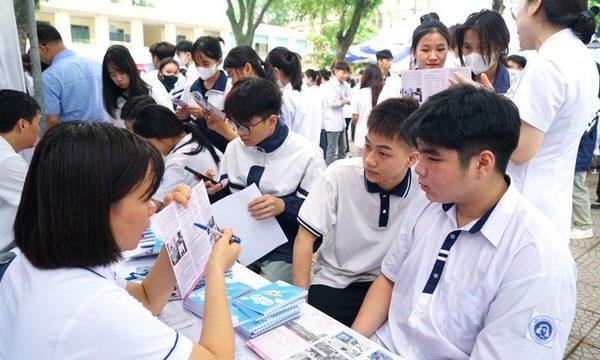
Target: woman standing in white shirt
180,143
312,103
121,80
288,77
556,97
364,100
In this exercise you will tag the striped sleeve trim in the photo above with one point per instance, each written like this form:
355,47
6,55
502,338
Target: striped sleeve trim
311,229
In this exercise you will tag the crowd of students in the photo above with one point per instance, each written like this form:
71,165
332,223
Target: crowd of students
446,238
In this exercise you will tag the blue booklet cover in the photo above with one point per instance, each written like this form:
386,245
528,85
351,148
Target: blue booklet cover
252,329
271,298
195,302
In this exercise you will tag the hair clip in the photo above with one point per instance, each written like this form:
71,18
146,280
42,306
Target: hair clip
591,13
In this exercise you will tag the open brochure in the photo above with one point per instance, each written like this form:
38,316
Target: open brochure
188,247
316,336
421,84
259,237
206,106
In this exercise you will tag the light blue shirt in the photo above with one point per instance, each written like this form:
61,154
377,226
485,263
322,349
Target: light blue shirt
73,88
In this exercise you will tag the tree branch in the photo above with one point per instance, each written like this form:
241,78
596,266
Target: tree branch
262,14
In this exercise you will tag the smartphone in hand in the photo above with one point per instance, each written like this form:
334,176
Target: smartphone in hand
201,176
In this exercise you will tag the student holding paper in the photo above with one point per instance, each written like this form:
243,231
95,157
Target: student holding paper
213,84
283,165
180,143
357,206
430,44
87,198
476,271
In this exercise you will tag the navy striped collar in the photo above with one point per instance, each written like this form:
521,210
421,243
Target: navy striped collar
401,189
274,141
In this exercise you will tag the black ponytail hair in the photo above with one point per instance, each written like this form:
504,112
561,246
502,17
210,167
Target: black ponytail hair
244,54
157,121
573,14
288,63
209,46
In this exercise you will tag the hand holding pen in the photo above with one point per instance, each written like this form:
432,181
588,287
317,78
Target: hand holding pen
223,255
215,232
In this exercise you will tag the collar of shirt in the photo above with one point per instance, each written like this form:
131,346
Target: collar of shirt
502,79
63,54
494,221
219,85
400,190
274,141
6,146
564,34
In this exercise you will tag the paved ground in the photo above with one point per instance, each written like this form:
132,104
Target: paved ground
584,341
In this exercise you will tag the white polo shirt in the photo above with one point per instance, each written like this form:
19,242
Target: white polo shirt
500,287
175,174
291,109
362,106
78,314
391,89
358,220
334,92
312,104
557,95
13,169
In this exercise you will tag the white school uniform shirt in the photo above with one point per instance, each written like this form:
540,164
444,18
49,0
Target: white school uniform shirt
391,89
177,159
504,289
291,109
191,74
158,93
13,170
358,220
361,105
557,95
76,313
335,92
287,166
312,104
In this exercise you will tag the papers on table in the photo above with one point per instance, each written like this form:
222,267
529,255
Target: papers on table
259,237
421,84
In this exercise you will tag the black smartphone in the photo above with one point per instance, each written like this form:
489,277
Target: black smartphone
201,176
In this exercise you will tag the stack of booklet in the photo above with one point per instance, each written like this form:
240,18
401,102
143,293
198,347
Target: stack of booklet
255,311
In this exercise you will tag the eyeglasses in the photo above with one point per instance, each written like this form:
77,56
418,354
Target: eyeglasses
244,130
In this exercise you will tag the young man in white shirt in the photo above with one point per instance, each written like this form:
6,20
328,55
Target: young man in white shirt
476,271
357,206
337,94
19,129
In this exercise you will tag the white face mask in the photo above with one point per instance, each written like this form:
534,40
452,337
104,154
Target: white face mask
206,73
478,64
181,62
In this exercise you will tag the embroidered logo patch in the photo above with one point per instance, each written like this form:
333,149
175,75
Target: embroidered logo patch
542,329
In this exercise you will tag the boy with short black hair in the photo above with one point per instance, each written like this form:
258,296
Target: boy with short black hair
384,61
476,271
357,206
19,129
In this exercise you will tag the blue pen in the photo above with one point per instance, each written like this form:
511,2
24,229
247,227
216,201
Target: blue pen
212,231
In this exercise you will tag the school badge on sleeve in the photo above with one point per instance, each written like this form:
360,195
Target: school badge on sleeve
542,329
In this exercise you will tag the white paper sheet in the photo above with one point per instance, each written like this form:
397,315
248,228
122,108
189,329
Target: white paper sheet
259,237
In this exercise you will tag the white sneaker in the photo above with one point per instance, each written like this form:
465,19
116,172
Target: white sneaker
577,234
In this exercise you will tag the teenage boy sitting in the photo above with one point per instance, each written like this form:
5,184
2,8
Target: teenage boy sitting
357,205
476,270
283,165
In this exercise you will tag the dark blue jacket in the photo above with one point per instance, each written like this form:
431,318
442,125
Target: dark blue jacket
585,153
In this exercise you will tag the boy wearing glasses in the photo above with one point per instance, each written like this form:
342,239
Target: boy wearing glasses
283,165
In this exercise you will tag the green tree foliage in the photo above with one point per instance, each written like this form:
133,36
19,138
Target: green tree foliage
342,23
245,16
